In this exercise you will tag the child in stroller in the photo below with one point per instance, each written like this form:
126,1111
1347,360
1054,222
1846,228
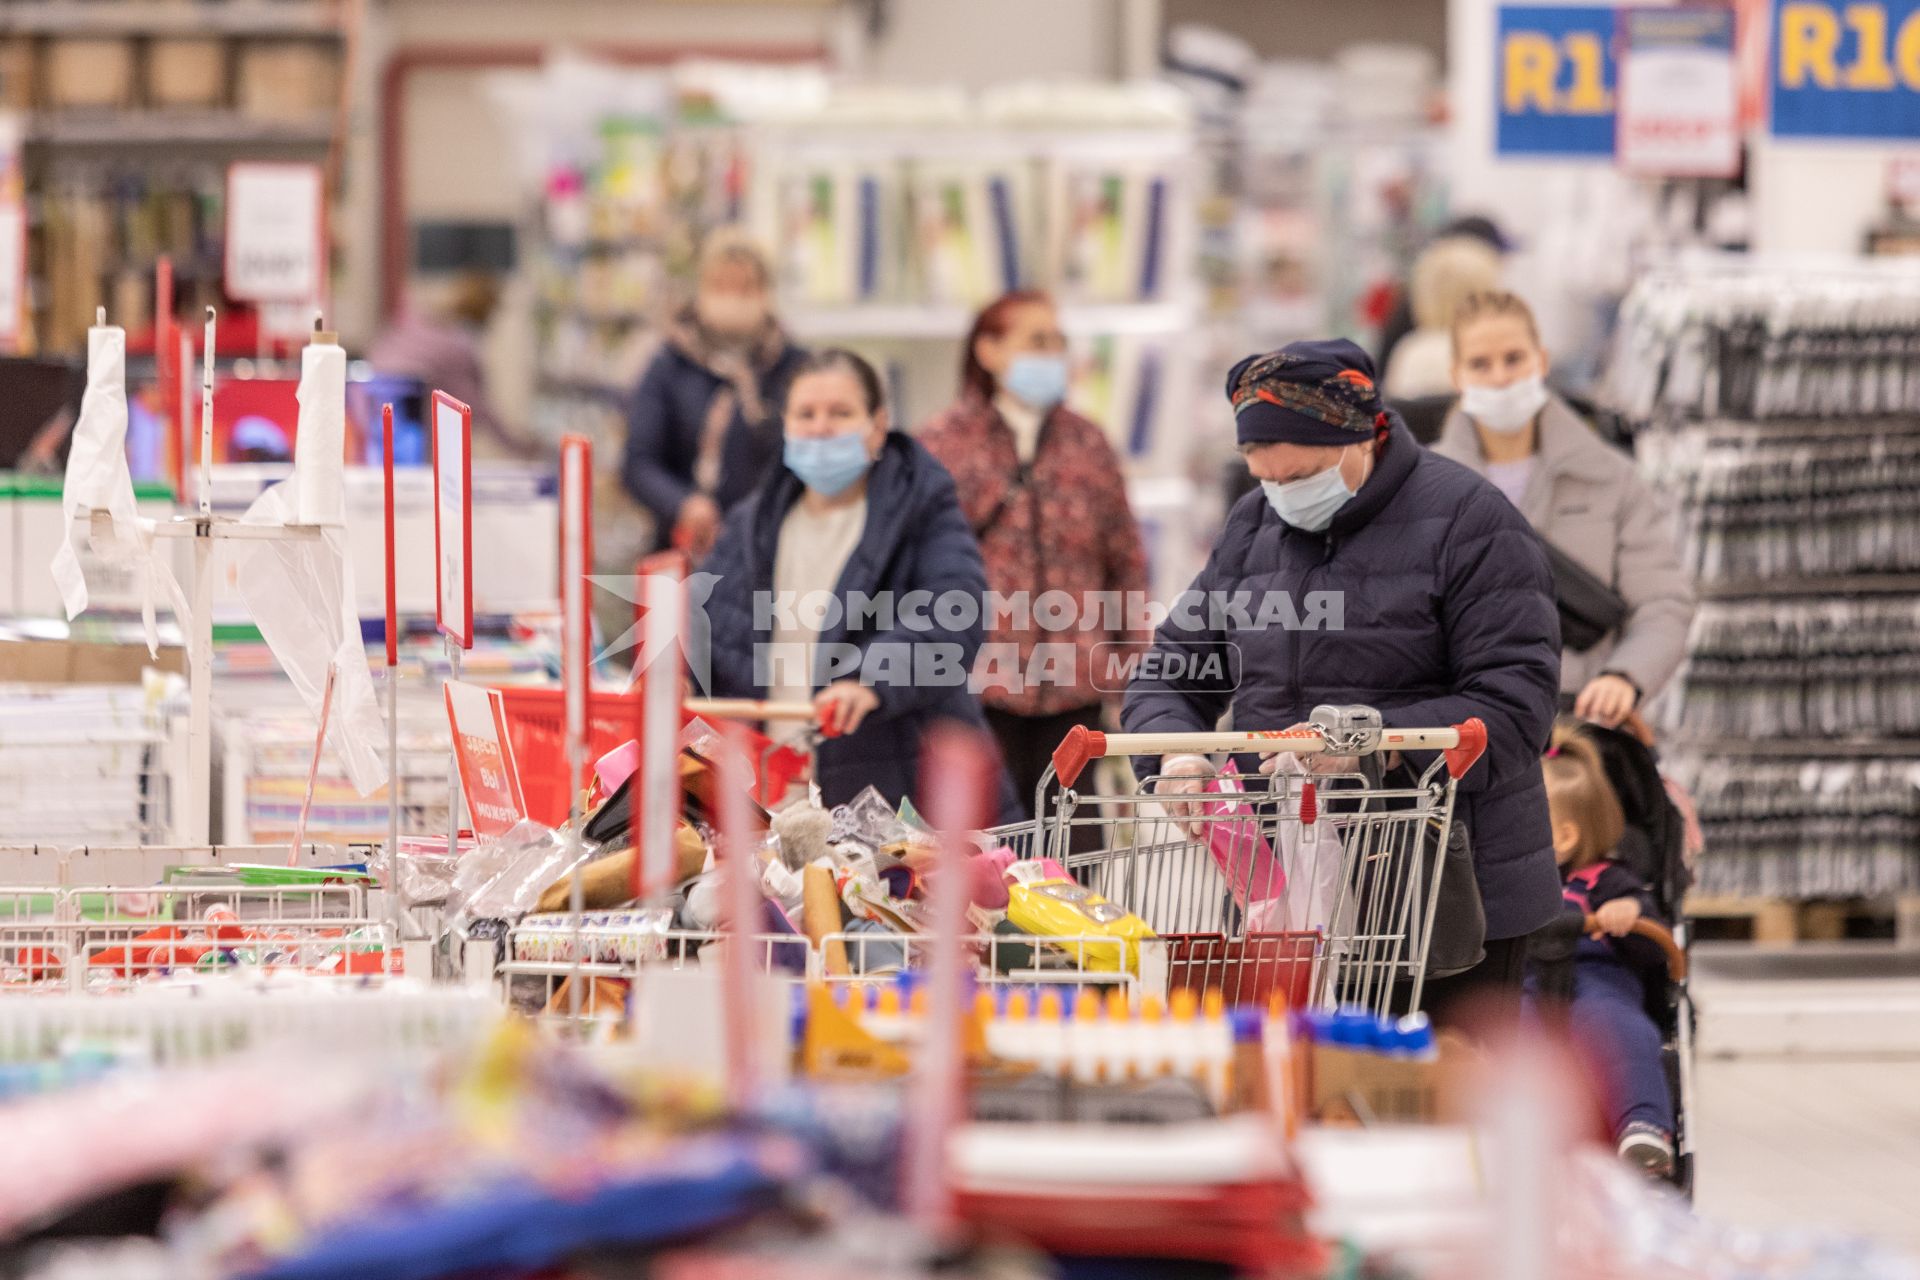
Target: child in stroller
1613,972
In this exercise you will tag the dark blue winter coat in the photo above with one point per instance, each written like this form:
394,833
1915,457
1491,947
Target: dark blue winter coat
1447,613
665,418
915,540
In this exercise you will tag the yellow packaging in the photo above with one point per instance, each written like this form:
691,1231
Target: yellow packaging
1060,908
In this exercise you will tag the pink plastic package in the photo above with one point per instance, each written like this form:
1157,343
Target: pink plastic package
1243,855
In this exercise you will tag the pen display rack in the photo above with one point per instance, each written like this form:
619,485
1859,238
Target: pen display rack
1779,403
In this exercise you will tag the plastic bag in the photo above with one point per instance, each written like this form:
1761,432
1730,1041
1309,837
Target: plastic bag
97,479
504,878
1311,863
301,597
426,877
1239,850
868,820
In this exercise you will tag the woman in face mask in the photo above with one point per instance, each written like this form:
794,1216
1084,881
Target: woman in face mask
1045,495
703,426
1583,497
849,580
1365,570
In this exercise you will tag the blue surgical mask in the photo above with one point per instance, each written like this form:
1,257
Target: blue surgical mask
1310,502
1040,382
828,464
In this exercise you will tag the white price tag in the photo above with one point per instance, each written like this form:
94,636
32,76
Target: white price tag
1678,108
276,233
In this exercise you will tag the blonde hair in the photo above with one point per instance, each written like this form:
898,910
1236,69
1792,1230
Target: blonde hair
1484,303
1578,792
1446,273
731,244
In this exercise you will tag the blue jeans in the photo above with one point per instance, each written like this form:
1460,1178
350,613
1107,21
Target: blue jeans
1609,1020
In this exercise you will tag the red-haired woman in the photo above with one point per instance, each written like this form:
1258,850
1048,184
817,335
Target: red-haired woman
1043,490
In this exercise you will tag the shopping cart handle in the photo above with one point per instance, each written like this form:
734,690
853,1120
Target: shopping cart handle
750,709
1462,745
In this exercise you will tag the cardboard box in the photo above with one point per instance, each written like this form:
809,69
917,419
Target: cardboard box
75,662
1391,1089
88,73
16,73
34,525
287,79
186,73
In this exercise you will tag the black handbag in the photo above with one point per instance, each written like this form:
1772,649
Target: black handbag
1459,934
1590,610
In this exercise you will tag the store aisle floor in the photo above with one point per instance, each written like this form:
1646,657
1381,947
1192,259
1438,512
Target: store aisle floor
1787,1133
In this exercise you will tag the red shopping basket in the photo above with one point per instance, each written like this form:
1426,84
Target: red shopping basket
537,728
1247,970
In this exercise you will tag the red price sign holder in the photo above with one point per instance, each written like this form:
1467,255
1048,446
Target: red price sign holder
576,656
661,673
483,755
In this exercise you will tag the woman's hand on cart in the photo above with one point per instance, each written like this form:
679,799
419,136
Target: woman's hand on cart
1316,762
1183,775
840,707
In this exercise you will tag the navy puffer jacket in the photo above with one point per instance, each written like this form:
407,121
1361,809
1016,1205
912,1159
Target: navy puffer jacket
1446,612
915,540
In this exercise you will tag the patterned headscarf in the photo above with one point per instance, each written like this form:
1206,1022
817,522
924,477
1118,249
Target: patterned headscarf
1312,393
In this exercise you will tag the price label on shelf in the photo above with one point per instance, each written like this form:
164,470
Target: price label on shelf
453,518
276,233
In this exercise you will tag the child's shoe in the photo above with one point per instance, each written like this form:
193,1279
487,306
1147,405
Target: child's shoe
1649,1149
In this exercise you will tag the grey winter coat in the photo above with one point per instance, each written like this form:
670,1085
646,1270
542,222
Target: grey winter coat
1585,497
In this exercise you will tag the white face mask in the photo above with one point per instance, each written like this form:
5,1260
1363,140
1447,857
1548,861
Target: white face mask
1505,409
1311,502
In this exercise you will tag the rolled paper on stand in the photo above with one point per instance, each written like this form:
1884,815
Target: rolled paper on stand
103,417
319,447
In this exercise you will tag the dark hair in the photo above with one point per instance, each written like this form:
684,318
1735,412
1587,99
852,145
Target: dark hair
831,359
993,321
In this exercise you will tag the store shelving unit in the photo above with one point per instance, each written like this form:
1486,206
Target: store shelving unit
1771,400
890,238
130,163
319,18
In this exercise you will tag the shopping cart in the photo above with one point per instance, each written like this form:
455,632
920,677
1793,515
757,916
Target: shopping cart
94,939
1323,886
573,970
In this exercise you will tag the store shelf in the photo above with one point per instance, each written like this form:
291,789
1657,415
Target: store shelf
1800,748
943,323
285,18
175,128
1839,584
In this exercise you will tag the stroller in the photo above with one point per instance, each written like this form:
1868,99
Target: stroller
1654,848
